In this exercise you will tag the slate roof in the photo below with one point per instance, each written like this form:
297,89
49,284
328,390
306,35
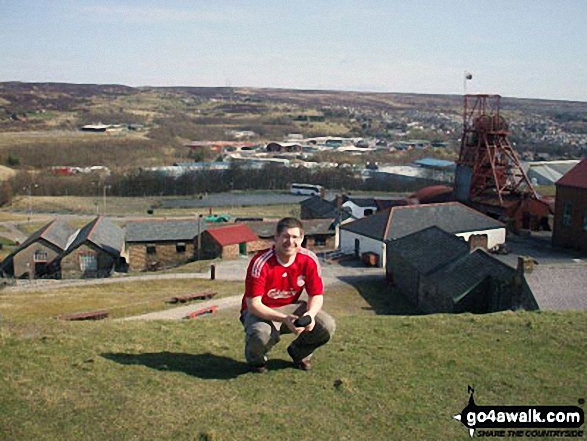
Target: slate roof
452,217
232,234
57,232
163,230
374,226
323,209
576,177
102,233
458,277
559,286
429,249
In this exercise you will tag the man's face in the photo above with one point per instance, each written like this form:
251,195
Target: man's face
288,242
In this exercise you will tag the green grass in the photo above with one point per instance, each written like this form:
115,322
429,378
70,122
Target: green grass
381,377
118,206
119,299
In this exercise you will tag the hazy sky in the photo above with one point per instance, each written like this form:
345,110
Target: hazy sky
520,48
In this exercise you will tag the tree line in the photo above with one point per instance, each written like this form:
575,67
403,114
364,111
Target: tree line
141,183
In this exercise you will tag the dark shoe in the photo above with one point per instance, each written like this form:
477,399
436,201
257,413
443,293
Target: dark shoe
261,369
303,365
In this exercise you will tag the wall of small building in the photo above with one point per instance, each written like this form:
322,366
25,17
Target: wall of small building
494,237
230,252
405,277
71,263
165,255
258,245
366,244
431,300
359,212
326,242
24,260
573,235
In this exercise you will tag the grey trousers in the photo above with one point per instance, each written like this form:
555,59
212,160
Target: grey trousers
262,335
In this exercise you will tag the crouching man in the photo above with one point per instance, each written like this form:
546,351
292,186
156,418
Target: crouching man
275,280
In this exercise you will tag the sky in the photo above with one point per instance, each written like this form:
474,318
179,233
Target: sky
515,48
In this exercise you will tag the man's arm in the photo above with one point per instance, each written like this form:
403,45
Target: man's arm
256,307
314,306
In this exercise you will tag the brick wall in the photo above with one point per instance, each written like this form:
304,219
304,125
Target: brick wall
573,235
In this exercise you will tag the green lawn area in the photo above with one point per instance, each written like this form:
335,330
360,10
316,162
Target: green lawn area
120,299
47,207
381,377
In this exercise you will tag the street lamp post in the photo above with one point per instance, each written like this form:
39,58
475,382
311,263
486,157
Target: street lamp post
29,192
106,187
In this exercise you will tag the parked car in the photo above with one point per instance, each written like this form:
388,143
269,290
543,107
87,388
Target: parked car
217,218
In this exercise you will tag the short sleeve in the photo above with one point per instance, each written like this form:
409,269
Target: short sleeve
314,283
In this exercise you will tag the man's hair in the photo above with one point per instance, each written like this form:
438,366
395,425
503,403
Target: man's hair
289,222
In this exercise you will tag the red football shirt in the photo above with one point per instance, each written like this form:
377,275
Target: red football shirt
280,285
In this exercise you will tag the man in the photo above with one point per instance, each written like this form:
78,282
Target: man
275,280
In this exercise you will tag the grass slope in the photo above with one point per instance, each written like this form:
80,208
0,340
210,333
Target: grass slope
381,377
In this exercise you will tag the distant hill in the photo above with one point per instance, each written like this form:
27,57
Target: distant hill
158,122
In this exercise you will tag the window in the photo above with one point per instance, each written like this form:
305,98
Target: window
368,212
320,241
151,249
40,256
585,222
567,213
180,247
88,262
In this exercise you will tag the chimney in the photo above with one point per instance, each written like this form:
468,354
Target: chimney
525,265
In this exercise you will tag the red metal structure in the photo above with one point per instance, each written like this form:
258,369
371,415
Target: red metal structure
489,175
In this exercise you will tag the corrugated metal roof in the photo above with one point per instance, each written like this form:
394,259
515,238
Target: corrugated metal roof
232,234
576,177
436,163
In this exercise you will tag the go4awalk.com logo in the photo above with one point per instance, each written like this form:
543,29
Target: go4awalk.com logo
522,421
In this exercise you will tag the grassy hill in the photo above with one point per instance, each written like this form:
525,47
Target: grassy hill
380,378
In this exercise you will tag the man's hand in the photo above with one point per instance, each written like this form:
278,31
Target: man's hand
289,322
309,327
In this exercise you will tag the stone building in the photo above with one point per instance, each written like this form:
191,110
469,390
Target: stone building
33,257
95,251
156,244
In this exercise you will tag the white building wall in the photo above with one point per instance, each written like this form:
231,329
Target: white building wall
494,237
356,211
366,244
